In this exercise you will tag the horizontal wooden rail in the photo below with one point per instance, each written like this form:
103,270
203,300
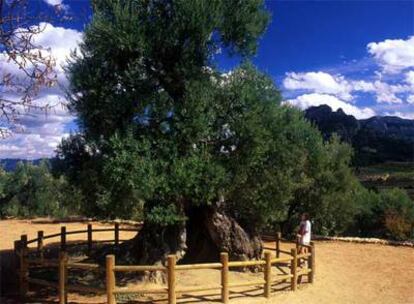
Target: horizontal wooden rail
138,268
198,266
246,263
33,241
51,236
81,232
89,266
45,237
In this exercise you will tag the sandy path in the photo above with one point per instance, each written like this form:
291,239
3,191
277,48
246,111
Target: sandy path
346,273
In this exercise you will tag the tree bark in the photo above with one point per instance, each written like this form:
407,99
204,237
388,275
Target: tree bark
207,232
219,232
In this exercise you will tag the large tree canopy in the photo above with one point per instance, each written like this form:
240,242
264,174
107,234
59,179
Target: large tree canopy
163,127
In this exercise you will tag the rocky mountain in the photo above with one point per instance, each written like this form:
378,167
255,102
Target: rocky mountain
374,140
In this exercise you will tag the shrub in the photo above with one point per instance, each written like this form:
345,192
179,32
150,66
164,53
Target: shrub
397,225
388,214
32,191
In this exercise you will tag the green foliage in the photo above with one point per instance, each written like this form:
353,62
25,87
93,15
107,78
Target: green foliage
164,215
138,57
149,103
32,191
388,214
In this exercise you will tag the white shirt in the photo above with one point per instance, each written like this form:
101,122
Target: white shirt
306,237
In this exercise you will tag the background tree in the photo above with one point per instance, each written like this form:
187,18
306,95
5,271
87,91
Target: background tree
388,213
32,190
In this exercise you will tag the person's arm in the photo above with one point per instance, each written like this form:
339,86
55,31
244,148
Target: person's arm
307,227
301,230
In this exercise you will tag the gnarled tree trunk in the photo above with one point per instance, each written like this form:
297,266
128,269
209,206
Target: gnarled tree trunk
207,232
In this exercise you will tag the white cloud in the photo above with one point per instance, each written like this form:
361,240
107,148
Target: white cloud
307,100
363,86
405,115
409,78
386,93
319,82
53,2
29,146
57,3
344,89
60,40
390,85
56,42
393,55
41,131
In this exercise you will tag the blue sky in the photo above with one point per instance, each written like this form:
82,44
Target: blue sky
354,55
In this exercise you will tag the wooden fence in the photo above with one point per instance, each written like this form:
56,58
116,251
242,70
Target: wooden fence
291,259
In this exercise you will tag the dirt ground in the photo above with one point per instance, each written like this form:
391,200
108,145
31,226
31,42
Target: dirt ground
346,273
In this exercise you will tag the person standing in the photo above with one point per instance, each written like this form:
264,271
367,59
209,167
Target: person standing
304,236
304,231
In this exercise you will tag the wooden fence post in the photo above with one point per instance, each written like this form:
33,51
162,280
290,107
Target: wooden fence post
24,267
89,239
278,237
63,238
116,234
267,274
311,263
297,245
224,259
110,279
293,269
63,260
40,235
172,297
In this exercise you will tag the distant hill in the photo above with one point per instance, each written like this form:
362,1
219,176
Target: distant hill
375,140
9,164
